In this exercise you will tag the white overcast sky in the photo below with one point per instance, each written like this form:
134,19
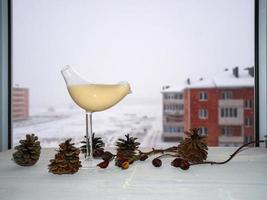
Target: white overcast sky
148,43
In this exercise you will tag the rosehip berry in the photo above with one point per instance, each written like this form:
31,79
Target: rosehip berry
185,165
143,157
177,162
157,162
119,161
103,164
107,156
125,165
98,152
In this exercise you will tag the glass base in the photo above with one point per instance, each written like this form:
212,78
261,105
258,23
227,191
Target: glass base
89,163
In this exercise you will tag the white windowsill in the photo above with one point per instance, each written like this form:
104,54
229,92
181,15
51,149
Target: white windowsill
242,178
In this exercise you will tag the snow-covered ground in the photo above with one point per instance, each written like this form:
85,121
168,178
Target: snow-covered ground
53,127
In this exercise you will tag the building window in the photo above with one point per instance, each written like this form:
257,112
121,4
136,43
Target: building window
166,96
248,139
228,112
248,104
180,96
173,96
203,113
248,121
203,130
227,95
203,96
180,106
180,129
171,129
173,107
226,131
174,118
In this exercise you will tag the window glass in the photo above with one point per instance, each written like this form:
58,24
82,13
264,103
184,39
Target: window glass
226,94
178,56
203,113
248,104
203,130
228,112
203,96
248,121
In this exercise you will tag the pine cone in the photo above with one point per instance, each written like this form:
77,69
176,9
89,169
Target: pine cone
66,160
194,148
28,152
98,145
126,149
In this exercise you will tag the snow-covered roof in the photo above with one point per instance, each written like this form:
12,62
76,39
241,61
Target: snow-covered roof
177,88
225,79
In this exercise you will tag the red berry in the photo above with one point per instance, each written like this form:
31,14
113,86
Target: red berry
143,157
177,162
98,153
185,165
103,164
107,156
157,162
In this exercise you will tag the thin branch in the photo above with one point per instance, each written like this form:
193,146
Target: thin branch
168,154
231,156
156,151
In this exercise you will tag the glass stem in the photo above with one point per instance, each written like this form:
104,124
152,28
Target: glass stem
89,133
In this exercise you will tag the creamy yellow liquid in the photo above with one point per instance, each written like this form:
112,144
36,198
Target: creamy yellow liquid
98,97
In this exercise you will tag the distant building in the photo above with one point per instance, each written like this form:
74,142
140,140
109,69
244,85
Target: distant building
222,106
173,114
20,103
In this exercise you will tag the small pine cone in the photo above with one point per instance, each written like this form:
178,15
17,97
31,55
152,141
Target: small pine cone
28,152
194,148
98,146
66,161
126,150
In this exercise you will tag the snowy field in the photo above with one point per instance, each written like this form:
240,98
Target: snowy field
53,127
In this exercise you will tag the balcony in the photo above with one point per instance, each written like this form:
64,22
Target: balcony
173,101
230,119
173,113
231,103
231,139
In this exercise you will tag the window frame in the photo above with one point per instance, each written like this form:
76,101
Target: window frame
260,106
202,96
226,131
228,112
227,94
248,122
260,73
203,130
5,75
248,104
203,113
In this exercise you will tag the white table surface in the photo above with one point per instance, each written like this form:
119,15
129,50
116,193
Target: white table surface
245,177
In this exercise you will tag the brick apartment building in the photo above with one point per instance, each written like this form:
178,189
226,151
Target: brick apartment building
221,106
20,103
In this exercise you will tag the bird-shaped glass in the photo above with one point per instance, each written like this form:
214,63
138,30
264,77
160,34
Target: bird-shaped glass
92,98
